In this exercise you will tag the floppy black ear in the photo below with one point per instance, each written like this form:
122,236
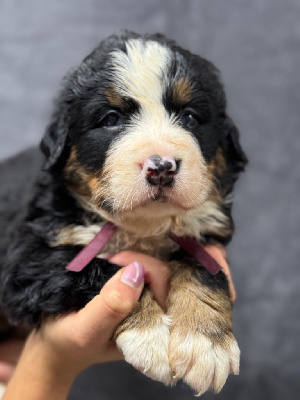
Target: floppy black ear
54,140
235,153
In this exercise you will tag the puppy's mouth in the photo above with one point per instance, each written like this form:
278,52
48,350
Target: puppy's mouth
159,196
161,200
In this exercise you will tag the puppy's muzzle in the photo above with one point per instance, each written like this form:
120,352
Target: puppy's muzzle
160,171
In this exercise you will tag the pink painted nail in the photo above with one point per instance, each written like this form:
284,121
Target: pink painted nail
133,274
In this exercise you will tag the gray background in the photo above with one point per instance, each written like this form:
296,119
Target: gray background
256,45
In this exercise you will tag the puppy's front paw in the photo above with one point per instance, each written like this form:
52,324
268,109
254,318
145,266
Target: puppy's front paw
144,338
202,362
146,348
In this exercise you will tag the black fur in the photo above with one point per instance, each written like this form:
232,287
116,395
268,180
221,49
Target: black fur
34,281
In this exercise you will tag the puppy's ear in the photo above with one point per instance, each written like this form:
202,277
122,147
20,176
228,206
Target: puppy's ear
54,140
235,153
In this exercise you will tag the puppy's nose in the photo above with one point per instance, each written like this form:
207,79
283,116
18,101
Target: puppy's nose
161,170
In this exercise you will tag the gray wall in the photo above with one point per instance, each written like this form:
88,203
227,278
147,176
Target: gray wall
256,45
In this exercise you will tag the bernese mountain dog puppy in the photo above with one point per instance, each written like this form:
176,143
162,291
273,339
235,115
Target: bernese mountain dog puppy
139,143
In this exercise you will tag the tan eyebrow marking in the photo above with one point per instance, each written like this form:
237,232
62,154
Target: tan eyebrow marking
115,99
182,91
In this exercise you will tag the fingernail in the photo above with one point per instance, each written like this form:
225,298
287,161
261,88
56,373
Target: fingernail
133,274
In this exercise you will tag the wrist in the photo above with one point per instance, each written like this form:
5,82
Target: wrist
58,364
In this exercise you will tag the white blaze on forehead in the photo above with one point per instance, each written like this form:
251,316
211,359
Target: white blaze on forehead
140,73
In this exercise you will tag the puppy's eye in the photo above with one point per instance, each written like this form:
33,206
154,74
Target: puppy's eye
112,120
189,120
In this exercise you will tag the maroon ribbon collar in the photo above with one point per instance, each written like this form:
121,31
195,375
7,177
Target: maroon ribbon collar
187,243
92,249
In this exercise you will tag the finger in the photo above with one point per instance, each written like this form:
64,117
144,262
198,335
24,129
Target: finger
218,252
99,319
157,273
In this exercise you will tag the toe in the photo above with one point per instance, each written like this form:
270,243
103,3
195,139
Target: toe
222,368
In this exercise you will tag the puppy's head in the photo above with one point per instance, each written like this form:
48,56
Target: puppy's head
141,131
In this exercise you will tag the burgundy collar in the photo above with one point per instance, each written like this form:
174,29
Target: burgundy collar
187,243
93,248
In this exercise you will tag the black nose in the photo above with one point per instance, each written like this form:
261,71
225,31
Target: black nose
161,170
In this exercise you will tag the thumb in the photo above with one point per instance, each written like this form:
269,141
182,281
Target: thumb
102,315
